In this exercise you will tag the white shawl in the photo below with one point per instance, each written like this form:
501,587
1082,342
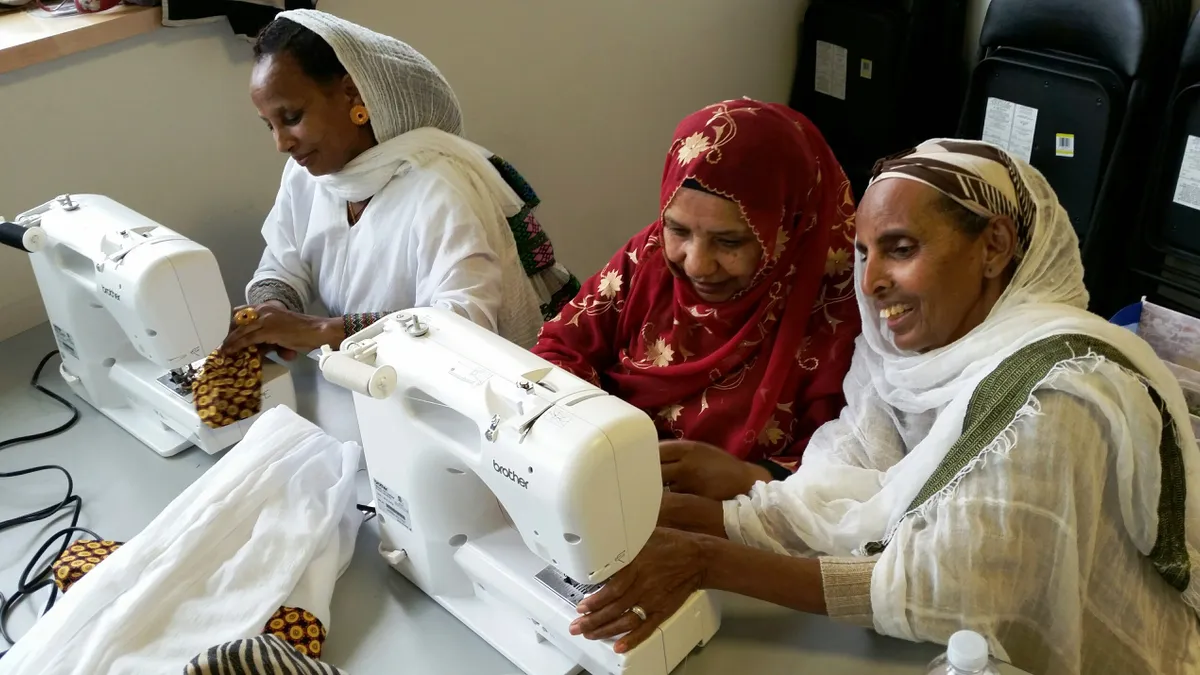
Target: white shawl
401,89
836,509
272,524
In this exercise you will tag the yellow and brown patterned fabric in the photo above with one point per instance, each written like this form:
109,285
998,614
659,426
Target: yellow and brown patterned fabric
79,559
228,387
298,628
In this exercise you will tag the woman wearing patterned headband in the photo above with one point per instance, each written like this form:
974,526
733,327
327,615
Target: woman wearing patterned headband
1007,462
730,320
383,204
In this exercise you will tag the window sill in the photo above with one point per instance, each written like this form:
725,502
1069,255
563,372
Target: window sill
27,39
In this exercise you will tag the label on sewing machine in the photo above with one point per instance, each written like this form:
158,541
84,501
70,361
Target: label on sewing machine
65,341
470,373
559,418
391,504
564,586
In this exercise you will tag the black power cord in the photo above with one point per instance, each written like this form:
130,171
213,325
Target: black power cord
30,582
34,382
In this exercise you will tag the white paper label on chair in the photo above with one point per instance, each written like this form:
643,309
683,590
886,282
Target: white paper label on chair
391,504
1010,126
1187,188
830,78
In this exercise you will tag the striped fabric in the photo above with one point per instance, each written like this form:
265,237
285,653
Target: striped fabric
263,655
979,177
353,323
274,289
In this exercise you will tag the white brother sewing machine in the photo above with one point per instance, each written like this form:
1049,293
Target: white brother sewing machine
508,489
135,308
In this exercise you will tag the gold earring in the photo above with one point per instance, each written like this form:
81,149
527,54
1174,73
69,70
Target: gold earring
359,115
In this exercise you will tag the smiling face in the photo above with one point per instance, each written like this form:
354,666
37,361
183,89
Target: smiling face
310,120
932,269
708,242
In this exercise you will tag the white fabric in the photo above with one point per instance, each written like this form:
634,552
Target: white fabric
401,89
1032,553
418,243
273,521
461,162
905,410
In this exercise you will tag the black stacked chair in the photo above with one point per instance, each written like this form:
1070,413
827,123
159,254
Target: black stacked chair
1079,88
1168,262
880,76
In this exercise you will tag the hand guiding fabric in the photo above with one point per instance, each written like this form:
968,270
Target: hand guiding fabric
659,580
706,470
285,331
228,387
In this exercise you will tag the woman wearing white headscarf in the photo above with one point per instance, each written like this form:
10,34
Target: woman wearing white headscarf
1006,463
383,204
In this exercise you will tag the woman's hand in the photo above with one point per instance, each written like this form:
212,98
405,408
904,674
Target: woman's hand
669,568
706,470
692,513
289,333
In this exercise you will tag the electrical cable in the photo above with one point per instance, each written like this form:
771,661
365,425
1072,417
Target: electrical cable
30,583
37,374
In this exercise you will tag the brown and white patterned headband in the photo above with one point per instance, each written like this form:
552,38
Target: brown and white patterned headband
979,177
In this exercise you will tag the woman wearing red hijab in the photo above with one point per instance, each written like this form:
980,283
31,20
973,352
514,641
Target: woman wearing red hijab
731,320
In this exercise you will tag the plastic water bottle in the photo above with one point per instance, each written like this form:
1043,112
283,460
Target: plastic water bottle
966,654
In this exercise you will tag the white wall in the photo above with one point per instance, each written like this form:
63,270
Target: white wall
581,96
162,123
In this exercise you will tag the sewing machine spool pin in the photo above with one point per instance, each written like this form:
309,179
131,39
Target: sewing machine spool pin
413,326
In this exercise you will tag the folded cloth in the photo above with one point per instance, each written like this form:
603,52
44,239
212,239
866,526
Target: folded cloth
298,628
263,655
272,524
79,559
228,387
294,626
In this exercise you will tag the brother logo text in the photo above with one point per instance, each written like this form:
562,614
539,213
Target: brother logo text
510,474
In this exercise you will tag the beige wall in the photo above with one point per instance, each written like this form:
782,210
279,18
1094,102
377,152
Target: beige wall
161,123
581,96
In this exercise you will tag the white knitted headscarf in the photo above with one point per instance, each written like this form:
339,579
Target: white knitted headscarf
418,123
414,114
400,87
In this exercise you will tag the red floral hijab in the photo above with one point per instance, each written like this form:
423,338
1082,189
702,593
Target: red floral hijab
756,374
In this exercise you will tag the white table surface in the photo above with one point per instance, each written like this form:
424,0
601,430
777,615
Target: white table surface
381,623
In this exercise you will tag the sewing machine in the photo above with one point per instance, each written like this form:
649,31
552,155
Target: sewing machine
135,308
507,489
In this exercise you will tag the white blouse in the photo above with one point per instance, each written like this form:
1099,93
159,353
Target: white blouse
1030,551
417,244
